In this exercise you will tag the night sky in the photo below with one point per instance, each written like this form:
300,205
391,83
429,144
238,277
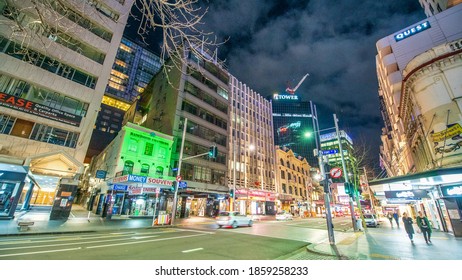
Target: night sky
273,42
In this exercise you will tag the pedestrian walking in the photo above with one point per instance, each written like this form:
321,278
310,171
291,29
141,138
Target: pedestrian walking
424,225
390,218
396,217
407,221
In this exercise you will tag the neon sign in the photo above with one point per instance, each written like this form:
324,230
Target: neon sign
285,97
412,31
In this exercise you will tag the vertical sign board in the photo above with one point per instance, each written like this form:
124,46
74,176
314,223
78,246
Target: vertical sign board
63,202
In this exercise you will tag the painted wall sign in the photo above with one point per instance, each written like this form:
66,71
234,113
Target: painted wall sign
27,106
412,31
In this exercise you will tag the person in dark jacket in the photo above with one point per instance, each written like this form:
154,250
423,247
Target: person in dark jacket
425,227
407,221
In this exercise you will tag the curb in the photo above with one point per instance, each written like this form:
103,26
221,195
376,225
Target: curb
314,251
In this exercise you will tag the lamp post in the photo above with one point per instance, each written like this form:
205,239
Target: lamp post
330,228
175,196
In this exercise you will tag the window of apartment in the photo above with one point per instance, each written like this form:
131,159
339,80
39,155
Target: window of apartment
284,188
148,149
283,174
159,171
49,64
128,167
144,169
132,145
6,123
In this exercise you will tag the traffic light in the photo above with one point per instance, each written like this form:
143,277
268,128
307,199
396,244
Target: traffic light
172,188
213,151
349,188
231,193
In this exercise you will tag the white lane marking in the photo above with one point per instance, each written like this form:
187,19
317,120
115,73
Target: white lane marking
40,252
73,216
192,250
192,230
119,233
66,244
144,241
52,239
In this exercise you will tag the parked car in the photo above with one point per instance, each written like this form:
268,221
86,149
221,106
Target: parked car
283,216
371,220
233,219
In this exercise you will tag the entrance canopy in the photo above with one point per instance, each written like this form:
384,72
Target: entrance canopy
408,187
56,163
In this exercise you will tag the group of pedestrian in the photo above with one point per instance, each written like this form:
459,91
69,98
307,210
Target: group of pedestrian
423,225
392,217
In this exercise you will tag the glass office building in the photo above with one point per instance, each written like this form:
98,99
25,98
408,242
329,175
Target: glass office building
292,119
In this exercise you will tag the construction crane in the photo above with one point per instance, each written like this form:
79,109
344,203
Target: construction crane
292,90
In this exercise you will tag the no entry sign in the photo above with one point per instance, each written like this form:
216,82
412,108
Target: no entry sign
336,172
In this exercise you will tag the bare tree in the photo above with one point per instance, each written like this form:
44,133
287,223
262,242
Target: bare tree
179,21
41,22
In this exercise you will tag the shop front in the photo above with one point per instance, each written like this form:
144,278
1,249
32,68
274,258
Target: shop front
134,196
450,205
256,202
12,180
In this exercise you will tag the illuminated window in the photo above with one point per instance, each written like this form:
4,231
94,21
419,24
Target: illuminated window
132,145
126,48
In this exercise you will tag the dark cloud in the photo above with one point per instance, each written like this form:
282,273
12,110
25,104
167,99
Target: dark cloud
272,42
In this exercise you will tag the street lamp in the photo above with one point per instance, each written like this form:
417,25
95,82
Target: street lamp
330,229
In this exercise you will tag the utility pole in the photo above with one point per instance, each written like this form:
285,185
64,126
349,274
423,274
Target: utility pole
177,184
330,227
345,174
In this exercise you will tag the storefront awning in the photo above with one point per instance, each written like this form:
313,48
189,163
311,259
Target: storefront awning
426,180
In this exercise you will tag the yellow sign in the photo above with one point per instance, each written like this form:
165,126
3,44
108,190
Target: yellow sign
448,133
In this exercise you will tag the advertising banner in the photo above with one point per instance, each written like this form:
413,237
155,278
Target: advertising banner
27,106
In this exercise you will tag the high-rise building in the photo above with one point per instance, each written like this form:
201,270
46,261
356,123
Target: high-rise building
293,126
419,70
396,53
432,7
51,87
133,68
331,147
251,158
194,97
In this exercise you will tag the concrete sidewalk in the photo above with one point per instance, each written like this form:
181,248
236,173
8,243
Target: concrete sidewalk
386,243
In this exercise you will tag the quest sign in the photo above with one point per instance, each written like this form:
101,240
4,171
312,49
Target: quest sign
27,106
412,31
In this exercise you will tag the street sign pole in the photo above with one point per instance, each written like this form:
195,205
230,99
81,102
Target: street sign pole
345,174
177,184
330,226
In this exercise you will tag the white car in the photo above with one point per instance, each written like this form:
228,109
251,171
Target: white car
233,219
371,220
283,216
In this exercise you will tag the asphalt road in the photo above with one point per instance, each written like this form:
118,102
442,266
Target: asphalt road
266,240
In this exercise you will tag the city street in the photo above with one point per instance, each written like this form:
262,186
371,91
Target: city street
153,244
